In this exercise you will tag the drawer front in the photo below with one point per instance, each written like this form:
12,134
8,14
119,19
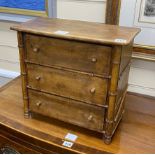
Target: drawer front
69,54
81,114
77,86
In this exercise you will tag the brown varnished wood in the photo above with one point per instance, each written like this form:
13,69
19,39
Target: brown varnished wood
136,133
113,84
122,86
22,55
126,57
68,84
141,52
20,148
80,114
81,67
113,12
79,30
68,54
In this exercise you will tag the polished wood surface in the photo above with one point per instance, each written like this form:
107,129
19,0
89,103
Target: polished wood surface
83,67
81,87
78,30
113,12
12,145
136,133
142,52
126,57
77,113
122,86
68,54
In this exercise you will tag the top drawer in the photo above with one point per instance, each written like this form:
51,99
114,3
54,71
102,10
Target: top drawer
81,56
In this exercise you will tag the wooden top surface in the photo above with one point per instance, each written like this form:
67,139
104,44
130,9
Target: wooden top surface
136,133
79,30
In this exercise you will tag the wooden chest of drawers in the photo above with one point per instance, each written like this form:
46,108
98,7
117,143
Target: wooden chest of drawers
75,71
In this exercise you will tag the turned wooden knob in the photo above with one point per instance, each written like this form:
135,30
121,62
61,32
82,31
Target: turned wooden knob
92,91
38,104
90,118
38,78
94,60
35,49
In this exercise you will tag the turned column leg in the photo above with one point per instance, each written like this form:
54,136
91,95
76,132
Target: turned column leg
23,75
112,94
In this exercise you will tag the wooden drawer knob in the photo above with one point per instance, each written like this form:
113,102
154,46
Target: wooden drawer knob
38,104
38,78
35,49
92,91
90,118
94,60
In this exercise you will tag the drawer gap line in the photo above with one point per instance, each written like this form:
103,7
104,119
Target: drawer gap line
71,70
102,106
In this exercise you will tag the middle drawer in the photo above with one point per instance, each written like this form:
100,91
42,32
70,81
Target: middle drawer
77,86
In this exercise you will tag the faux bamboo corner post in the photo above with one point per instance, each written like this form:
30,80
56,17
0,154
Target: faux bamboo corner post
22,55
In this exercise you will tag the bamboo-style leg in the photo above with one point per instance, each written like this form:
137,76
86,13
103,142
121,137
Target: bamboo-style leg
116,58
23,74
107,140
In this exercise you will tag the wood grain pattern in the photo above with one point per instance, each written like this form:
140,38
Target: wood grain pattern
126,57
22,54
78,30
68,54
113,84
141,52
122,86
113,12
68,84
8,143
135,134
81,65
77,113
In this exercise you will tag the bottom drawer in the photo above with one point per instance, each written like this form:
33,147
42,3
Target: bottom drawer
78,113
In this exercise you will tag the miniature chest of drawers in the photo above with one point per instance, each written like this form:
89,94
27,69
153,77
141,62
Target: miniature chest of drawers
75,71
